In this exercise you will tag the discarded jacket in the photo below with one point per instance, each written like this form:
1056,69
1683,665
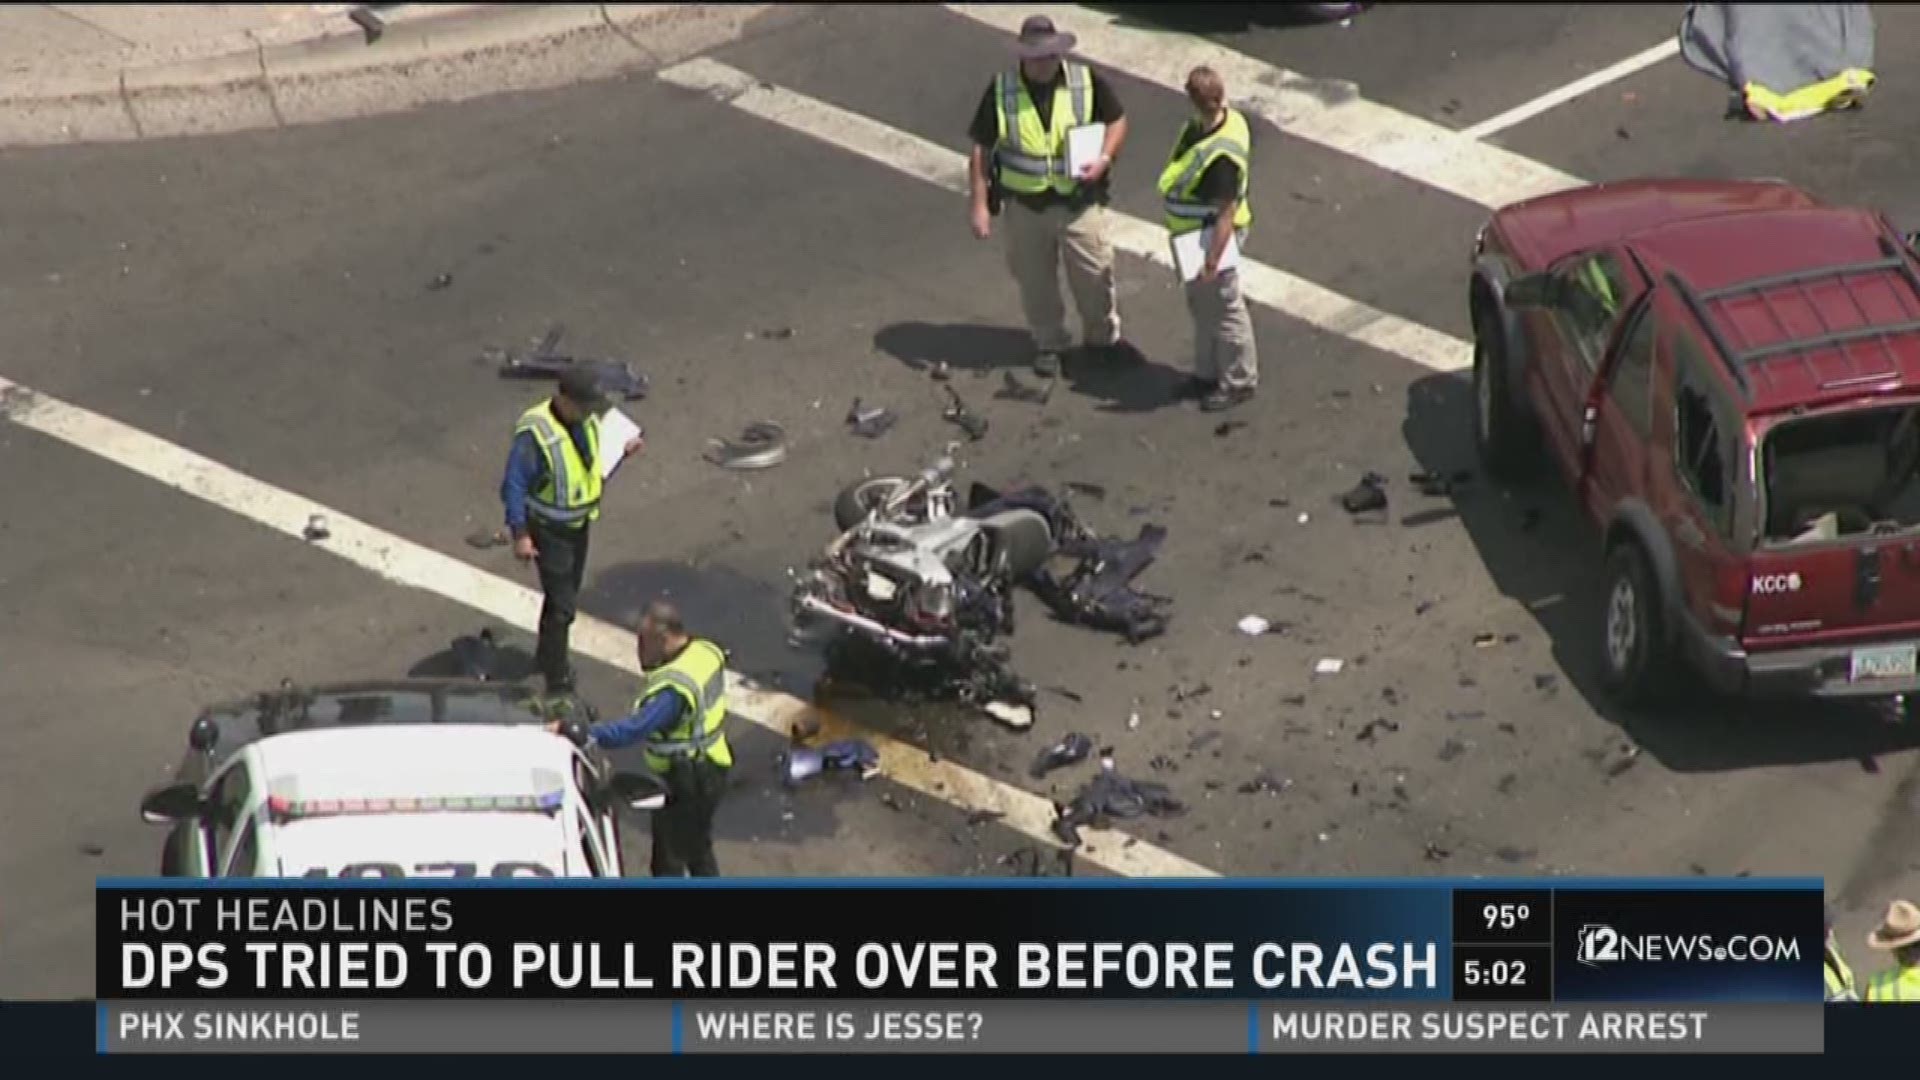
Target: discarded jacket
1112,796
1098,590
1783,61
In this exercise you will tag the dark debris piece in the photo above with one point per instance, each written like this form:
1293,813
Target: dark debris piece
440,281
778,333
1072,749
1368,495
870,423
1452,750
1091,491
1112,796
1228,427
617,379
1032,862
1163,763
1269,784
478,656
1065,693
1378,724
1507,783
1436,853
1510,854
966,419
1546,682
981,817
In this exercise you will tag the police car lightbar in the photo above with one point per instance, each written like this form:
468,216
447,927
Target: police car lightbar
286,809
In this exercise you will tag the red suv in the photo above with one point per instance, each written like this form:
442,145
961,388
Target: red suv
1728,375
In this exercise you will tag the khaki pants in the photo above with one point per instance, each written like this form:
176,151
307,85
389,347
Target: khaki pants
1037,243
1223,349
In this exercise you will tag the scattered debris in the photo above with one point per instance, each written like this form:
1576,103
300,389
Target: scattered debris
1228,427
1295,700
887,800
1509,854
1200,741
1377,724
1012,389
615,378
1031,862
1440,484
1280,501
93,850
1870,764
1304,517
870,423
1012,714
440,281
940,372
1546,682
1072,749
1329,666
1423,607
1507,726
762,445
1269,784
316,528
1624,759
1253,625
966,419
485,539
1452,750
1506,783
778,333
1133,720
1110,795
1091,491
1214,785
1466,714
1485,640
1368,495
981,817
1065,693
1436,853
478,656
1163,763
1185,694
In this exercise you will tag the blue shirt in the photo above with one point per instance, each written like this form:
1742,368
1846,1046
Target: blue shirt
662,710
527,470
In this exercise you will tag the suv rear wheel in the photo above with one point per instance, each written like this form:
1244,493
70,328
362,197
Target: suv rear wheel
1633,652
1506,437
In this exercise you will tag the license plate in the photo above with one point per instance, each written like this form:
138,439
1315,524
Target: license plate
1884,662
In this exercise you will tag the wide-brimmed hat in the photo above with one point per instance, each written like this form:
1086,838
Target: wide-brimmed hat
1899,929
1039,40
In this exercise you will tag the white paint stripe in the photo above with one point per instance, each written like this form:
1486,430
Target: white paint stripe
405,563
1329,112
935,164
1555,98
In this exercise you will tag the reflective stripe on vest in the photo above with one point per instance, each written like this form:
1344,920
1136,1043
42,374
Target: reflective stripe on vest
571,491
1900,984
1839,978
1031,158
1180,179
699,676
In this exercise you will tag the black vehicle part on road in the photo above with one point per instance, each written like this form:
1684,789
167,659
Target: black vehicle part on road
617,379
1636,638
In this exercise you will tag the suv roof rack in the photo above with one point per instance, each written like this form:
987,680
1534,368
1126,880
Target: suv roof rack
1739,360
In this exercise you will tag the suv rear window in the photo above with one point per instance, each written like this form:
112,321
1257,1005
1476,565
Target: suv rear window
1848,474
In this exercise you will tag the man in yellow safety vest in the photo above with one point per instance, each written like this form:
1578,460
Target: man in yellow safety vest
678,718
551,492
1204,190
1899,934
1839,976
1053,214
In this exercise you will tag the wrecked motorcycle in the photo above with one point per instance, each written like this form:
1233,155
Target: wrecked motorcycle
921,589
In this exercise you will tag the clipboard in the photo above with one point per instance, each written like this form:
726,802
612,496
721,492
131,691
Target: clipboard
1084,145
1190,253
617,429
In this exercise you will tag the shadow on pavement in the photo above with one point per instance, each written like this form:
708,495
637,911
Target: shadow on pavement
1540,552
745,616
1134,385
509,661
1211,18
960,346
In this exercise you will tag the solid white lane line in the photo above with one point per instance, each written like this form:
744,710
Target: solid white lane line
403,562
1555,98
1329,112
935,164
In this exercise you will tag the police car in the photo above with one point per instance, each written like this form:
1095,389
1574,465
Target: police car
409,778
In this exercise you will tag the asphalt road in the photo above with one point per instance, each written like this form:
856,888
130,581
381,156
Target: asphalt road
263,299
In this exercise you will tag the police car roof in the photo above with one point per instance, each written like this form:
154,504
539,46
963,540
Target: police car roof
416,761
486,840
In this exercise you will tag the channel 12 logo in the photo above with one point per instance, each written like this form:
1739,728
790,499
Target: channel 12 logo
1599,944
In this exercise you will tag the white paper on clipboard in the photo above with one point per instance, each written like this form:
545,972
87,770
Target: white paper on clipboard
616,430
1084,145
1190,253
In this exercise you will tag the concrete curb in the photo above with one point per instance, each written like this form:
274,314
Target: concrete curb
470,51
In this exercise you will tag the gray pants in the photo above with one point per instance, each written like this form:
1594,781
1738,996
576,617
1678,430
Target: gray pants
1223,349
1037,243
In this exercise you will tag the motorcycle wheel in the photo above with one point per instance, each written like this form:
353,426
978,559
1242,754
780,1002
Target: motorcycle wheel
858,499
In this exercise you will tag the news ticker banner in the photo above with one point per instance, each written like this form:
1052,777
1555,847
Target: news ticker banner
993,966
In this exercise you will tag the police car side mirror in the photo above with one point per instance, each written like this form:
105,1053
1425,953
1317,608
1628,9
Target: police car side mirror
637,791
169,804
1533,290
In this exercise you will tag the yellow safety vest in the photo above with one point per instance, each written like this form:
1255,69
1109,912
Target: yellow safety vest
570,494
1839,92
1180,180
1032,159
1839,977
1899,984
1596,279
699,676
